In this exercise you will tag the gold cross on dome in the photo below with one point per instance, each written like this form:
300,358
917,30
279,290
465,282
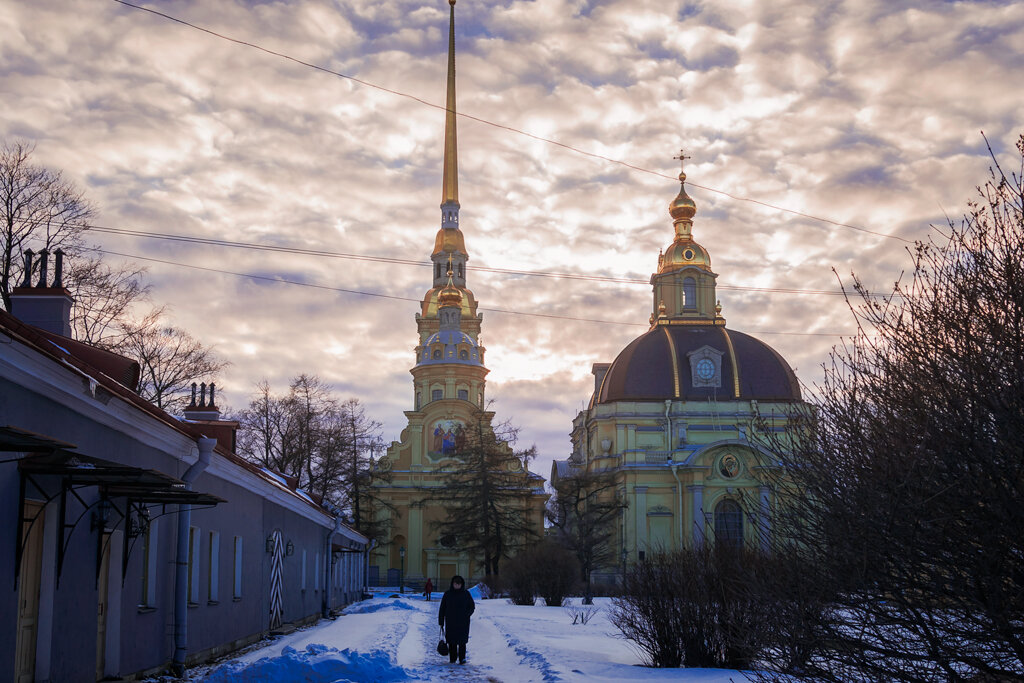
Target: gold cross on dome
682,160
449,266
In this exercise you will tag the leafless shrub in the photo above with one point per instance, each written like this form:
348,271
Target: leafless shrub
695,608
547,570
581,614
904,493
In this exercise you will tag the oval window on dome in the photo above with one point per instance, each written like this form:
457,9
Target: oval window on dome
463,355
688,254
437,354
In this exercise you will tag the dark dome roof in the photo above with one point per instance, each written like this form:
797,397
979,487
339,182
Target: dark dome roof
645,370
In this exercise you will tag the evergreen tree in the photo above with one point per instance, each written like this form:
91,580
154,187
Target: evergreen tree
487,492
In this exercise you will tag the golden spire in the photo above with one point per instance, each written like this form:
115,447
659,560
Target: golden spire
450,182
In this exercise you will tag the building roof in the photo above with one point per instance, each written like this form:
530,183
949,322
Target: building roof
656,366
81,356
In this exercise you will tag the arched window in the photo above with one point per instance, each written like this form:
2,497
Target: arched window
460,270
437,270
463,394
463,354
729,523
436,394
689,293
437,353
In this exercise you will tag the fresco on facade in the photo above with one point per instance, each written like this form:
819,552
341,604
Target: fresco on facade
445,437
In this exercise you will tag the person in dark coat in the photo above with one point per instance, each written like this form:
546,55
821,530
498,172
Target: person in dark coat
456,607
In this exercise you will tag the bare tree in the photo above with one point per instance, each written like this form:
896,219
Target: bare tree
262,426
38,207
170,359
105,299
584,513
359,442
487,492
327,444
903,500
310,403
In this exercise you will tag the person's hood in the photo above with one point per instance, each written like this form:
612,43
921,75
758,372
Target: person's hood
460,580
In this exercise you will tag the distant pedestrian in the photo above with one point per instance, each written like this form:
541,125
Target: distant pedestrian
456,608
428,589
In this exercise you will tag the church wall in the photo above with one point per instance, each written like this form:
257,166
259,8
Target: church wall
668,477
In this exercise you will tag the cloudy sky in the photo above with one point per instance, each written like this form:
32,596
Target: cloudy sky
863,112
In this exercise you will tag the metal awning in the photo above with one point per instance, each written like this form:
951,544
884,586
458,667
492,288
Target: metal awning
82,470
57,474
13,439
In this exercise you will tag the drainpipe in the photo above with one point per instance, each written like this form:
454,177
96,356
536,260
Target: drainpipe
181,560
325,600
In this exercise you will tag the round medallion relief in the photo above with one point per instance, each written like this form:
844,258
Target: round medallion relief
729,466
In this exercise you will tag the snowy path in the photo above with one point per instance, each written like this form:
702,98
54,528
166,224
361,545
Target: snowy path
394,639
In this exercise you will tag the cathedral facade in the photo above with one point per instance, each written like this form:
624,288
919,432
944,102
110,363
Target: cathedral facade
449,393
681,417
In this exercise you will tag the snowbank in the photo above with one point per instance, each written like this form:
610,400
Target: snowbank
318,664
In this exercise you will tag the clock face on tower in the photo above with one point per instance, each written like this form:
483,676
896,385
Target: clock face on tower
705,369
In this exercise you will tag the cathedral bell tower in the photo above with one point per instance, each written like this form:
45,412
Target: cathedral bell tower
684,284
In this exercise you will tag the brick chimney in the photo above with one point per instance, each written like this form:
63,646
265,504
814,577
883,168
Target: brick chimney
203,410
47,306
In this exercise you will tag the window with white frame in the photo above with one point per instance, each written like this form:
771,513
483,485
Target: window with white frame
149,566
236,586
303,586
213,568
194,539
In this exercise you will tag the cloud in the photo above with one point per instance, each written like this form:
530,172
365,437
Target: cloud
862,112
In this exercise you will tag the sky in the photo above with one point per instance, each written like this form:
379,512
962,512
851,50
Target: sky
867,113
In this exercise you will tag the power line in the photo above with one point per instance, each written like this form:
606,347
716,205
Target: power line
193,239
358,292
510,129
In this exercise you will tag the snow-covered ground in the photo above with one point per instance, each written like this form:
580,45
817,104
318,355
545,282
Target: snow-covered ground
394,638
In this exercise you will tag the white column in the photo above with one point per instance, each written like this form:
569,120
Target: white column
698,515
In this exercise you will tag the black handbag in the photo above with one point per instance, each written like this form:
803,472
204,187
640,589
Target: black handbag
442,645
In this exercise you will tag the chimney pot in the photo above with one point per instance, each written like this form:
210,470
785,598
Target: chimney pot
43,254
27,281
58,268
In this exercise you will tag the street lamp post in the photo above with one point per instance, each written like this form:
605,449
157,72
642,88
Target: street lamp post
401,575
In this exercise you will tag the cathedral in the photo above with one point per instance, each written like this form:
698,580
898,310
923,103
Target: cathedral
449,379
680,418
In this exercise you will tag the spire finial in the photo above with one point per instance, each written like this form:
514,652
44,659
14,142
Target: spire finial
450,179
682,164
682,207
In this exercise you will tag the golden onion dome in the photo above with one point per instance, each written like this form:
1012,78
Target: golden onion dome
450,295
684,253
682,207
449,240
